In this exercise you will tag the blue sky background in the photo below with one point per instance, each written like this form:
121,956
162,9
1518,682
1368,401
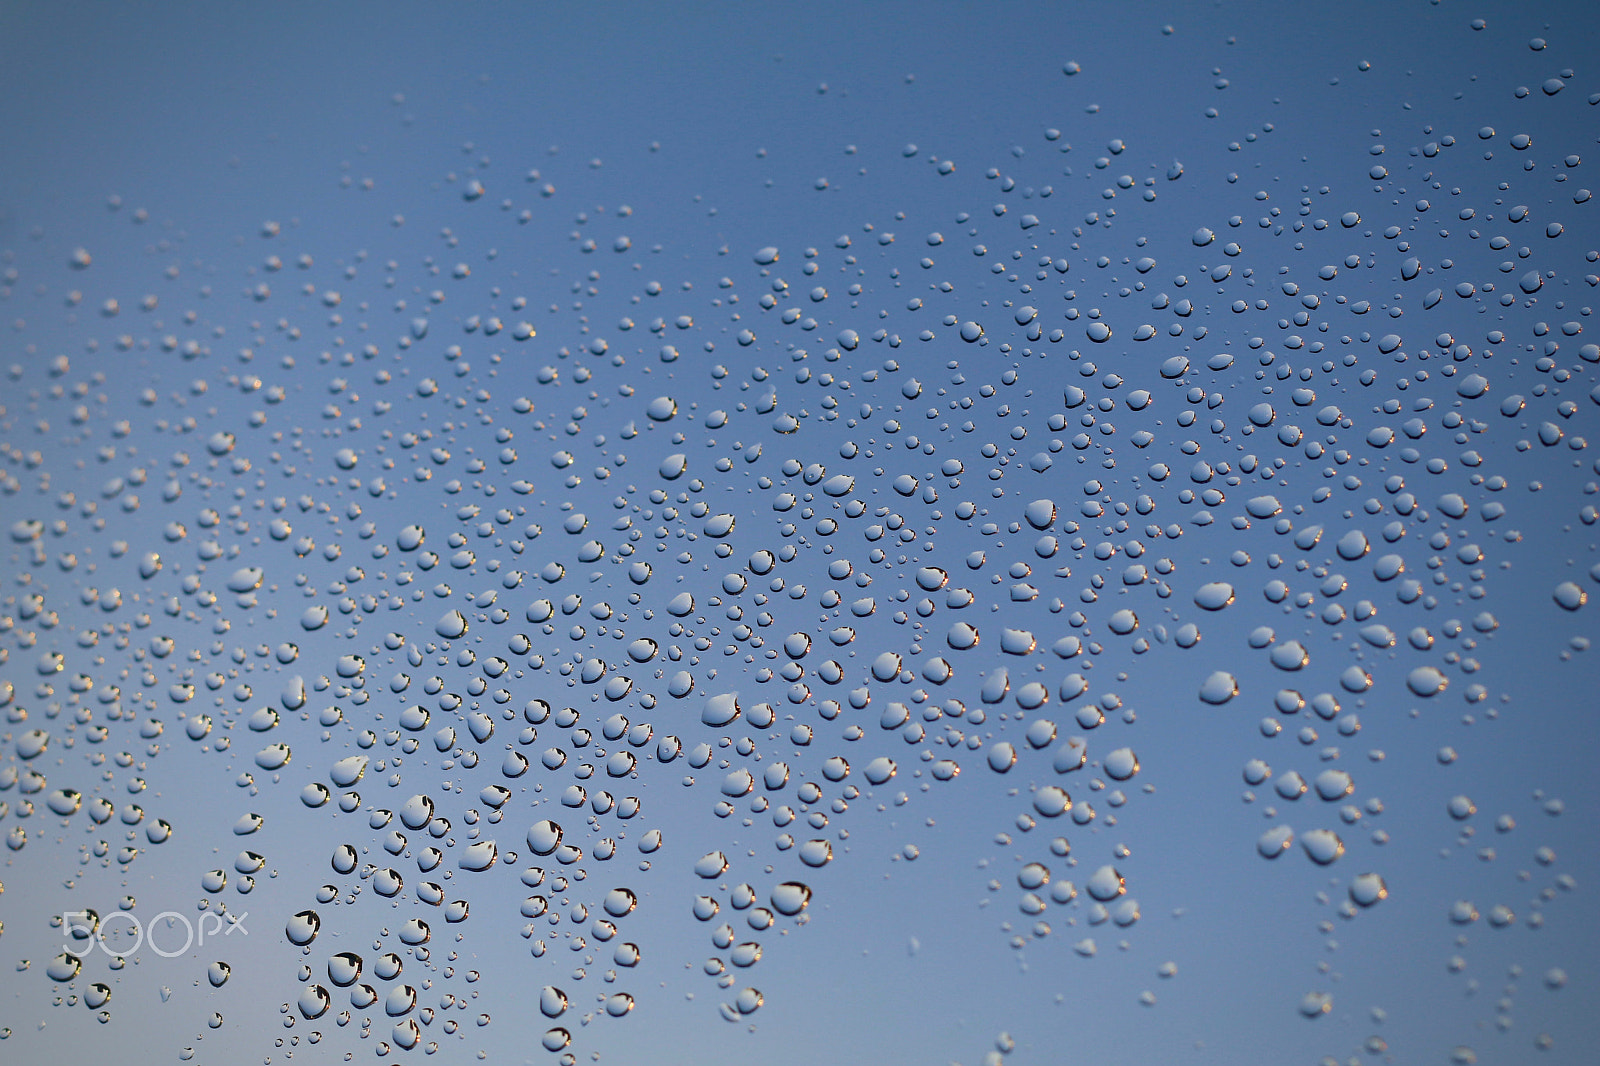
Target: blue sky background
162,139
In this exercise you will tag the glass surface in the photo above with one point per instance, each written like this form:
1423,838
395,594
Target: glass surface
790,533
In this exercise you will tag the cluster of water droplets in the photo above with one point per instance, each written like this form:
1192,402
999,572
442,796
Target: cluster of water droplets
487,574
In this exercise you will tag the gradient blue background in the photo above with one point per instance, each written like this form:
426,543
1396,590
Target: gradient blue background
714,125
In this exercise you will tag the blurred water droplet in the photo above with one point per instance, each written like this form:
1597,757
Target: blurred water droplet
1218,688
1368,889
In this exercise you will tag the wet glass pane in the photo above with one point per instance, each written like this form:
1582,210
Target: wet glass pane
818,533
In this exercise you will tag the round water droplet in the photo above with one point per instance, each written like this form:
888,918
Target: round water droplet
1121,764
1368,889
1219,688
346,771
1275,841
479,855
552,1001
1427,681
1105,884
962,636
1570,596
790,897
721,709
711,865
1323,846
1052,801
314,1001
880,770
344,968
1334,785
816,853
747,1001
620,902
302,927
1316,1004
544,837
1289,655
63,968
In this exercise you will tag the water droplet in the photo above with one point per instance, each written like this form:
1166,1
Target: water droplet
1218,688
1570,596
1323,846
721,709
790,897
1426,681
63,968
1275,841
1120,764
552,1001
1052,801
344,968
816,853
303,927
1105,884
1368,889
711,865
314,1001
1316,1004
